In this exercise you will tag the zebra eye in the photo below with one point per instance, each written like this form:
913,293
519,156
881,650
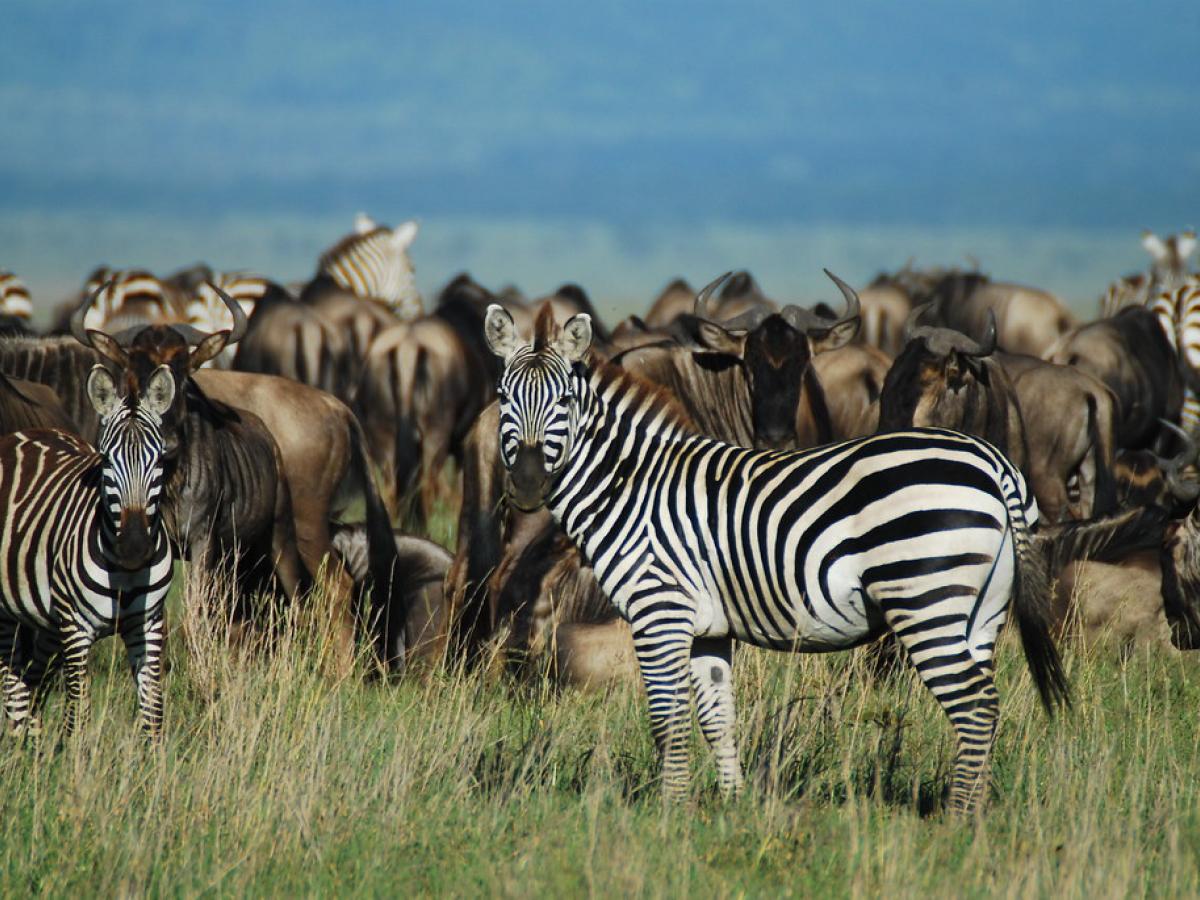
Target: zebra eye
501,393
564,400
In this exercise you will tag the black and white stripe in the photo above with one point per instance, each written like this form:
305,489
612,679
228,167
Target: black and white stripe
373,263
62,580
926,533
132,297
14,297
1178,311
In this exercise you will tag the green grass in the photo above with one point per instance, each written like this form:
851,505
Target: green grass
273,780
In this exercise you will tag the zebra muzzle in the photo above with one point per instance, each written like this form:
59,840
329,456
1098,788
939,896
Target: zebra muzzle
527,479
133,545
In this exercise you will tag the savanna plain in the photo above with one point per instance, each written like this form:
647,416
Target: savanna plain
274,779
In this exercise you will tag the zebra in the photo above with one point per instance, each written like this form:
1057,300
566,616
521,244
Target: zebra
926,533
207,310
373,263
1178,311
128,297
1168,268
14,297
83,550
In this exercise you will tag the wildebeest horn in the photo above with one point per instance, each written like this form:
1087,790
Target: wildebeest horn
700,308
853,306
240,323
102,343
912,328
988,347
1183,490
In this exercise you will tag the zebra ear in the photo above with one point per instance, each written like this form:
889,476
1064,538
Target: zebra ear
500,331
1185,244
1154,245
102,390
404,234
160,391
576,337
364,224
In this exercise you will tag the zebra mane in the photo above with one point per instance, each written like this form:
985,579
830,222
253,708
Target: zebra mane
346,244
609,380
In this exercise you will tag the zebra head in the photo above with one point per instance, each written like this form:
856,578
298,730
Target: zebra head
131,445
539,398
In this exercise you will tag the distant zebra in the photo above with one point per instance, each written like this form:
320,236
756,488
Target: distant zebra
83,549
132,297
14,297
1178,311
373,264
207,311
1168,267
926,533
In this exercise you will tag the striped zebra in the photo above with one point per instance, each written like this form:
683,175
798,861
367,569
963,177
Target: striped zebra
14,297
83,550
1178,311
925,533
128,297
1168,268
207,311
373,263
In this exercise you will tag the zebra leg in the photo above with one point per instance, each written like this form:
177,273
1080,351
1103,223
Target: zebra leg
18,706
712,681
144,646
941,652
76,642
662,641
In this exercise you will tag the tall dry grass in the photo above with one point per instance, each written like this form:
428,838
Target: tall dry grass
273,779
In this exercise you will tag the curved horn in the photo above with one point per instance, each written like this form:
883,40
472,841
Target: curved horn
988,347
911,327
105,345
853,306
1183,490
700,308
240,323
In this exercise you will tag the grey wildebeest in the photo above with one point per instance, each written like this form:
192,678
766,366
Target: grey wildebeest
1028,320
945,378
1131,355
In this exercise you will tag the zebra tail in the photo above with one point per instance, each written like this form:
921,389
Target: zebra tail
389,603
1031,606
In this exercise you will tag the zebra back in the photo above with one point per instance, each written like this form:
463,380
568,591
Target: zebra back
14,296
373,263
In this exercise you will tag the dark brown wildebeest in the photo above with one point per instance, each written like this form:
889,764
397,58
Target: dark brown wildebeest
1132,356
852,379
749,380
323,449
944,378
27,404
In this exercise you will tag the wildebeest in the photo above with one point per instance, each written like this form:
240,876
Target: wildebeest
420,581
1131,355
1027,320
749,380
324,453
945,378
1070,423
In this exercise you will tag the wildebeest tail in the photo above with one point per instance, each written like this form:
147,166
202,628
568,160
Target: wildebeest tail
1104,539
1106,485
1031,606
388,612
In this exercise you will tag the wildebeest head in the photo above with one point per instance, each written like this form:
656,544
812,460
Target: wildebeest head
1144,478
937,377
134,356
776,351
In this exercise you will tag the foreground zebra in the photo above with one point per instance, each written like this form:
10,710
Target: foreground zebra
925,533
83,550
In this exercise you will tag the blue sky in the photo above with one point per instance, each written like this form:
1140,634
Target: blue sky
638,118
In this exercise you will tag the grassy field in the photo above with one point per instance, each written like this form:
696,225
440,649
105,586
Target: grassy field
272,779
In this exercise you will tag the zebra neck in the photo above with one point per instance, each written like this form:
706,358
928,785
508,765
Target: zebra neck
621,421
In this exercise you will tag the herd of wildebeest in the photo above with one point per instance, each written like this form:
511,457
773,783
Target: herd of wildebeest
312,425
